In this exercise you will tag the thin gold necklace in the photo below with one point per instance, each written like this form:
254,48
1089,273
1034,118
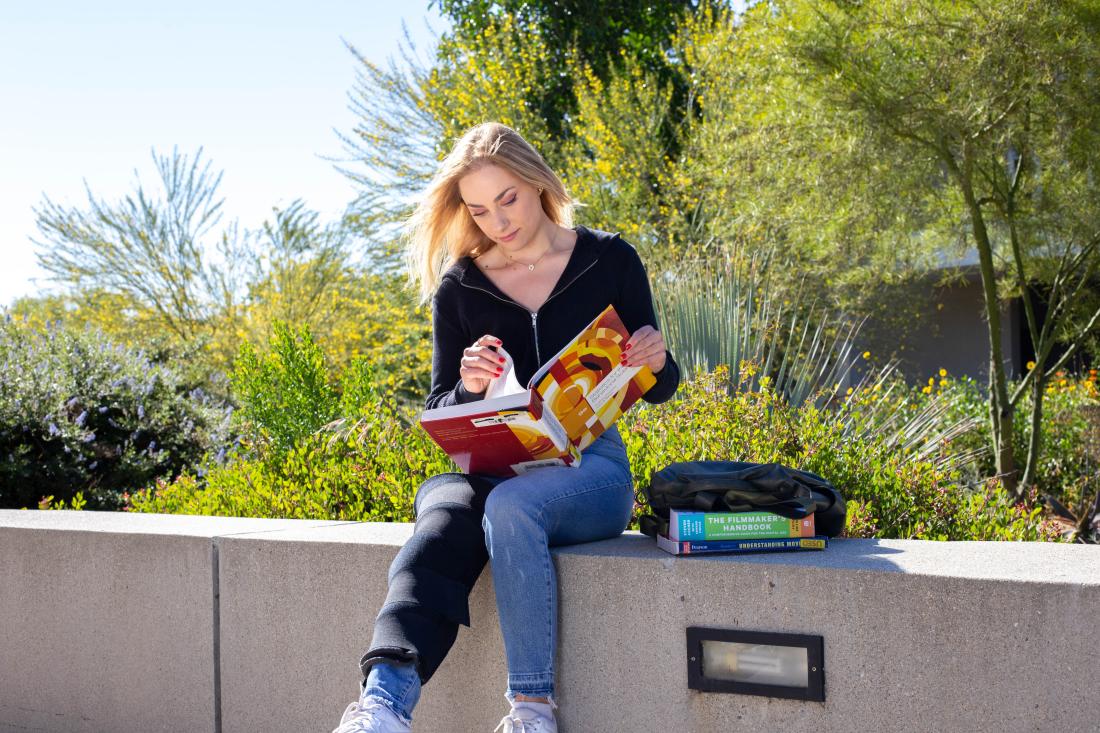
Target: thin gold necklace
531,266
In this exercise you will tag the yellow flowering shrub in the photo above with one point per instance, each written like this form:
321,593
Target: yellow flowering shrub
487,75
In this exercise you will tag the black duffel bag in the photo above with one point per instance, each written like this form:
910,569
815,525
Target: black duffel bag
737,486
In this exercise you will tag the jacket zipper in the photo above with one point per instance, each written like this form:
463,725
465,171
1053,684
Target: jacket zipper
535,328
534,314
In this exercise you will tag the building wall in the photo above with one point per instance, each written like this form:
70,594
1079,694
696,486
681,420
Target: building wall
946,329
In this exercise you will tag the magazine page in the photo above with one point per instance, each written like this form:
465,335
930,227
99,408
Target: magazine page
506,383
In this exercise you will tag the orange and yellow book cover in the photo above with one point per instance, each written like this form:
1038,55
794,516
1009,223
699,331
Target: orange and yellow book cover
569,402
586,386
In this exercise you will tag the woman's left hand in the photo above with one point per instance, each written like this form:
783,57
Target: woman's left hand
646,346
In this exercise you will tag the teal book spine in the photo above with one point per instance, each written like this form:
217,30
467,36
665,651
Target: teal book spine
698,526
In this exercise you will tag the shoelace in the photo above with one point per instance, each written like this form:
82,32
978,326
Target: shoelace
358,712
511,721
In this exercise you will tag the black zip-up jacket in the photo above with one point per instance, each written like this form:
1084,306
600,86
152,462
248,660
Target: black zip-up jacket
603,269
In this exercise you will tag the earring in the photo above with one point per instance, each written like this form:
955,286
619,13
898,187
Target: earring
540,190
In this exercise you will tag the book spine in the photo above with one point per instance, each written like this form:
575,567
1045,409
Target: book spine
553,427
783,544
699,526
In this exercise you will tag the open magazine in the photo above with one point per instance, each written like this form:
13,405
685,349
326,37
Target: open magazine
569,402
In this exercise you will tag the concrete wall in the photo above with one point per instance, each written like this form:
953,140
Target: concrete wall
121,622
944,327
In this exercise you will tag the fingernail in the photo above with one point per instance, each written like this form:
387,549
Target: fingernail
628,347
500,359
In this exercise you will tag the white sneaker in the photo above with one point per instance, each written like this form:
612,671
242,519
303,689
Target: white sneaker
370,715
529,718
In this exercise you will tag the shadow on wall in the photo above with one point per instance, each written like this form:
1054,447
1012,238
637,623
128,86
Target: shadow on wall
937,321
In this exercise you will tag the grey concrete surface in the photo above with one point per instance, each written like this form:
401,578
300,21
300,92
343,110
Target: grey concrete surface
112,628
297,611
108,620
919,636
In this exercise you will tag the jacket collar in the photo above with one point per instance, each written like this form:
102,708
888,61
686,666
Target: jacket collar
590,245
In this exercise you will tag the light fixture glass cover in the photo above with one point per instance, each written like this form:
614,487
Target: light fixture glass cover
775,664
760,664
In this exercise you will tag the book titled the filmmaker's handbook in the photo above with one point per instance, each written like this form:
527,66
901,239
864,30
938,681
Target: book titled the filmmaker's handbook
569,402
684,525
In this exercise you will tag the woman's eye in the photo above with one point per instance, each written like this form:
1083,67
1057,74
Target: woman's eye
509,202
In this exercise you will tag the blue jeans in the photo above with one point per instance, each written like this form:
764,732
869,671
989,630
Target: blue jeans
523,517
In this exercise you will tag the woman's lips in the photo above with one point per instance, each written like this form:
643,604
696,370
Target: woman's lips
510,237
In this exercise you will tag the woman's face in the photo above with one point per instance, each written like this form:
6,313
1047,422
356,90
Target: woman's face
505,207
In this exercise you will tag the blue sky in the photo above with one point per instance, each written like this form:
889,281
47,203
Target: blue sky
87,90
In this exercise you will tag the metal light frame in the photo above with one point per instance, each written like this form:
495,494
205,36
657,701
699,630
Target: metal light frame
815,660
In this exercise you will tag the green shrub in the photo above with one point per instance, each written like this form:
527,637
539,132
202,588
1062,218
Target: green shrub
1066,471
76,504
284,395
81,413
365,470
889,449
315,445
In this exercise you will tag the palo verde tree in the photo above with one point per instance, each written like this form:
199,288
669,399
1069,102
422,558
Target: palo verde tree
160,254
996,106
146,246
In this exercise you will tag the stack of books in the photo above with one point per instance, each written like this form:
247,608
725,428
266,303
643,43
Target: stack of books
694,532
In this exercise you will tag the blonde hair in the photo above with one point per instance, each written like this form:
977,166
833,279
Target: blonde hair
441,230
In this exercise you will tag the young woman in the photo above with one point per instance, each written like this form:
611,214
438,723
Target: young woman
521,277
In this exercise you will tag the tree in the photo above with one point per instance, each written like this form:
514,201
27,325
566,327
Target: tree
410,113
148,248
295,270
576,34
997,107
158,252
584,83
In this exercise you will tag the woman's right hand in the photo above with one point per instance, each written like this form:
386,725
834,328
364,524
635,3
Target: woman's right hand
480,364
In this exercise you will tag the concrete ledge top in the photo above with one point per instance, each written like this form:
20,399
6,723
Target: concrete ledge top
140,523
1032,562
